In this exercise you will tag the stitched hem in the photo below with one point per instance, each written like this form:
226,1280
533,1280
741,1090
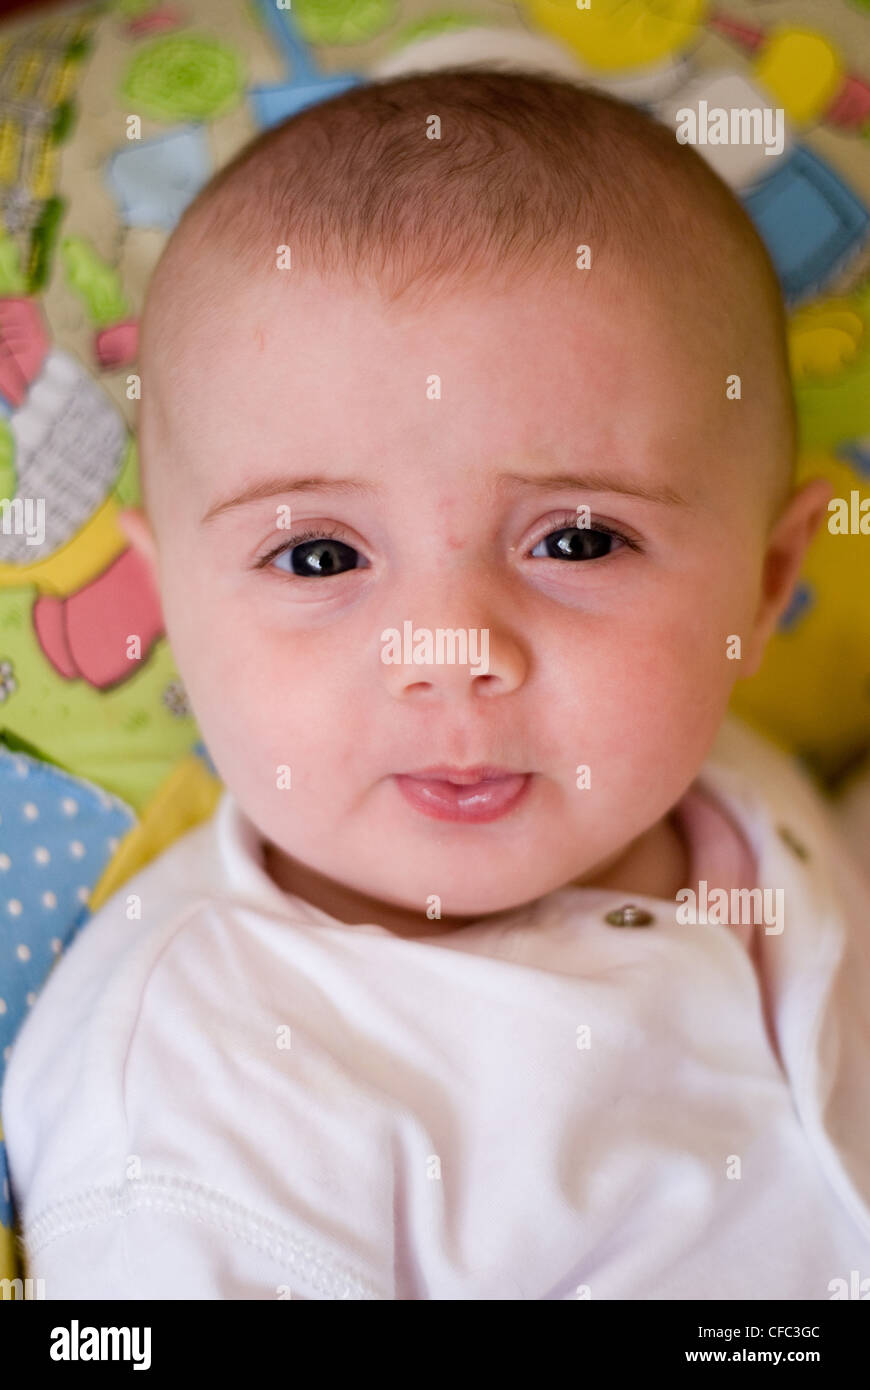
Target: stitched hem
184,1197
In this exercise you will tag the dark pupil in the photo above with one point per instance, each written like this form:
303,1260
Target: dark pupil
578,543
322,557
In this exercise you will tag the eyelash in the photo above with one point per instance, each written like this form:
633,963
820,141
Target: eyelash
569,522
327,533
312,533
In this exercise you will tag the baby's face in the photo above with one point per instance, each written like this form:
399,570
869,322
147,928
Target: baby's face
444,455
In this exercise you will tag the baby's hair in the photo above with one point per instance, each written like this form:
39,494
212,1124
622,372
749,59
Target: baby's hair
526,168
523,167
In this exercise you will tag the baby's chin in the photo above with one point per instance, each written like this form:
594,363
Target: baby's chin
408,890
418,889
413,900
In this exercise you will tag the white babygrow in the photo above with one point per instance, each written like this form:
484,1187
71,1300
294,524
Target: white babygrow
238,1097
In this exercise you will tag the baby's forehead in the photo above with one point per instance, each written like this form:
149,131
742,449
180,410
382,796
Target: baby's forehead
685,281
639,336
329,370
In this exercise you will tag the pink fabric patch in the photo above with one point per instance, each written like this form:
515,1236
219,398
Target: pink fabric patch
23,346
118,344
85,635
720,854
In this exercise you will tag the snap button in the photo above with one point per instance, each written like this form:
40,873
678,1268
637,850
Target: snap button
629,916
792,842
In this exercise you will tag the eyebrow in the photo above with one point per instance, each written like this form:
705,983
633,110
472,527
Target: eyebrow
276,487
595,482
553,482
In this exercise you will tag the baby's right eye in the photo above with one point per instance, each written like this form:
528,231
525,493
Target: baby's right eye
318,557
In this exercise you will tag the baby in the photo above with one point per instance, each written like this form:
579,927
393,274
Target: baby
469,989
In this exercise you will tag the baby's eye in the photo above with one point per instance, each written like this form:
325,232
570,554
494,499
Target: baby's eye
576,543
318,558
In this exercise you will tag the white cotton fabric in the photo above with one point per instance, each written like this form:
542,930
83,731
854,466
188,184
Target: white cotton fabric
433,1130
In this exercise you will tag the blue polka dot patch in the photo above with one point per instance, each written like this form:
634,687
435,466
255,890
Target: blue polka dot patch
57,835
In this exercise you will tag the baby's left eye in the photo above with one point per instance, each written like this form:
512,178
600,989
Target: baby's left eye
576,543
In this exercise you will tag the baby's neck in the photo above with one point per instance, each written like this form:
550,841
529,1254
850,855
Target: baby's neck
656,864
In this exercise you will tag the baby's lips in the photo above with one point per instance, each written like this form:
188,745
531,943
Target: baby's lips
478,801
465,777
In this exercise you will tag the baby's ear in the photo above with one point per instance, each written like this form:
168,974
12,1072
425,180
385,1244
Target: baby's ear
137,528
786,547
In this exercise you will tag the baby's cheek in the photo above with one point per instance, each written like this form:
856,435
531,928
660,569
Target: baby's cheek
659,711
292,714
228,703
690,640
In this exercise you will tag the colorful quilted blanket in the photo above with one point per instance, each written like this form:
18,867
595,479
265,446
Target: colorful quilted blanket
112,117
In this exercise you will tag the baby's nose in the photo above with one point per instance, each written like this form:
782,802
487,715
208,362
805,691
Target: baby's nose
443,661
